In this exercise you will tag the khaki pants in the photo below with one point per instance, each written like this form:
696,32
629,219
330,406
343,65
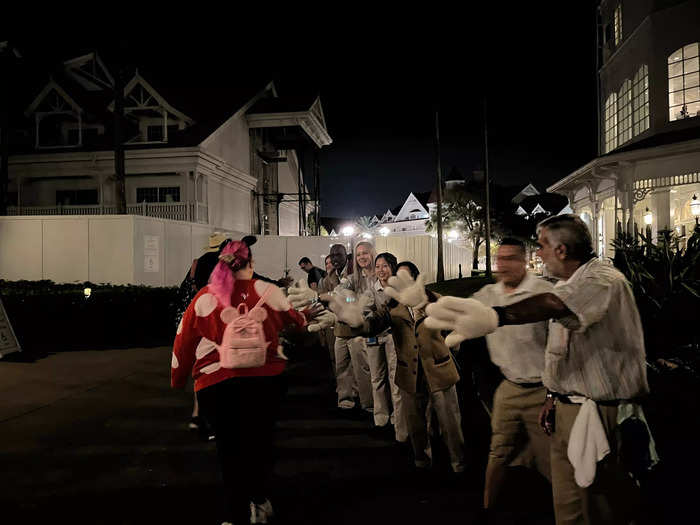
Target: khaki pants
613,496
352,371
386,395
446,405
517,438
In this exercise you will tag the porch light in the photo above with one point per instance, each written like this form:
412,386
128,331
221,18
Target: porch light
648,217
384,231
695,208
87,292
348,231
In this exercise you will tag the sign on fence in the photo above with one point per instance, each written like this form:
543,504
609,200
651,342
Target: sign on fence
8,340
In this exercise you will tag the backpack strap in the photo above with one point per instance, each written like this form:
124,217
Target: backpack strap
264,296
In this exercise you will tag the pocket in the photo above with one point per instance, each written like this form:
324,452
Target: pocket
441,361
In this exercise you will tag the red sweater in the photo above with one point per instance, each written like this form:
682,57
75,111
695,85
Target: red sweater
201,327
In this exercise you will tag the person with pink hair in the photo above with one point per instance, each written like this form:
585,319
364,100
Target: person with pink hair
242,403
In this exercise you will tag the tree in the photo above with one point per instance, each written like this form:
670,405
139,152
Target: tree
464,213
364,225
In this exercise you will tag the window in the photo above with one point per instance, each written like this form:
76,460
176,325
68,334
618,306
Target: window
617,23
155,133
76,197
683,83
624,113
168,194
640,101
611,123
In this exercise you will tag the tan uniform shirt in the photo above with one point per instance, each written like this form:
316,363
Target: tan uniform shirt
518,350
597,352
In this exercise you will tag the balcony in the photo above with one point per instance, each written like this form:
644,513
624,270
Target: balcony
176,211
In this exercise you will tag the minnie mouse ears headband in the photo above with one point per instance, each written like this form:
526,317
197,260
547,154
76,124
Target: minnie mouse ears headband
236,255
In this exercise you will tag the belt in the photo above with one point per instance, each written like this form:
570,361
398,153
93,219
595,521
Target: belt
565,399
527,385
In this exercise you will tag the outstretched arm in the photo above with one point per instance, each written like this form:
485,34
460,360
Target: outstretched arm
539,307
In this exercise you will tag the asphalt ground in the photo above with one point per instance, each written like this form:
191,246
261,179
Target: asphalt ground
99,437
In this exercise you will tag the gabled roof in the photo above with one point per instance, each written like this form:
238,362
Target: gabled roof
153,97
551,203
520,211
90,72
50,87
527,191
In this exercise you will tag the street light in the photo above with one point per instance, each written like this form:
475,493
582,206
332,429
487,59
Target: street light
87,292
453,234
695,208
384,231
648,217
348,231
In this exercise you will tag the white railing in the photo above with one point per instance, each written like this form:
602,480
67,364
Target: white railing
177,211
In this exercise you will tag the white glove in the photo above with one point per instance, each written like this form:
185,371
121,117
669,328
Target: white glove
406,291
300,294
325,319
349,308
467,318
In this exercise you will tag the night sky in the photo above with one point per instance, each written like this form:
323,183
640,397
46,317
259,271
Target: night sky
382,78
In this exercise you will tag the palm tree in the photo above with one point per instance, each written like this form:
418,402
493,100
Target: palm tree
364,224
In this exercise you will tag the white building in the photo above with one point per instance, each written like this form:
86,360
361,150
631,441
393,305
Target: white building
649,151
226,156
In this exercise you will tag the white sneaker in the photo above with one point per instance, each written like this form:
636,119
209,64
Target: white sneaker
261,513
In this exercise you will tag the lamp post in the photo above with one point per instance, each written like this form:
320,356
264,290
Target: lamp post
695,209
648,219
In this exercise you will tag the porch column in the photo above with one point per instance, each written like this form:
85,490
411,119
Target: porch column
196,197
661,200
595,210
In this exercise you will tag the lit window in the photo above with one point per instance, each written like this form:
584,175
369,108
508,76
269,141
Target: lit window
683,83
640,101
611,122
624,112
618,24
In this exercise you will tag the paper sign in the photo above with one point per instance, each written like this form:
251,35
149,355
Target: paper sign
8,340
151,253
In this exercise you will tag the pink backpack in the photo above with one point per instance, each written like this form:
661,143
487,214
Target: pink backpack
243,344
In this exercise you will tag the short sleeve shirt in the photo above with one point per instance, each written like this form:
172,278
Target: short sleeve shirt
598,351
518,350
315,275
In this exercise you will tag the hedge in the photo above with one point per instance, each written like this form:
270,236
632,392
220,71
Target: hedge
50,317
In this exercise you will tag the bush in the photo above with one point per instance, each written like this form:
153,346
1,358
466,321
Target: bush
665,278
50,317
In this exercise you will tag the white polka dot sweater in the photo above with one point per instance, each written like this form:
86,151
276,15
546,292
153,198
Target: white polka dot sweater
201,329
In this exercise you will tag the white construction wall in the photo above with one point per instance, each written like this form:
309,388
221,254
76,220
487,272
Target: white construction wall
116,249
128,249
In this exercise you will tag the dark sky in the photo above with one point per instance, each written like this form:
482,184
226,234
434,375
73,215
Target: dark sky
381,78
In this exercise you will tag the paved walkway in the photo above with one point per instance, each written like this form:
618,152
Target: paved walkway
100,438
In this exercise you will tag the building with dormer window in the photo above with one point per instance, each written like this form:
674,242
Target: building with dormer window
232,163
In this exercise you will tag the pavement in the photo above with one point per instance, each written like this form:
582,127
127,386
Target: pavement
99,437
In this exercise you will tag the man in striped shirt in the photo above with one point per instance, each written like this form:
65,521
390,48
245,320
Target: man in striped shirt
595,358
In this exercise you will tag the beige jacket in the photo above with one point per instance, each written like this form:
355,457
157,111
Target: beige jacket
414,341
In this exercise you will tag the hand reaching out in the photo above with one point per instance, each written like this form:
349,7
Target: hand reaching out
348,308
466,318
301,295
406,291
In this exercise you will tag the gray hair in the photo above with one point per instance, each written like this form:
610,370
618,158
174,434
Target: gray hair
572,232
